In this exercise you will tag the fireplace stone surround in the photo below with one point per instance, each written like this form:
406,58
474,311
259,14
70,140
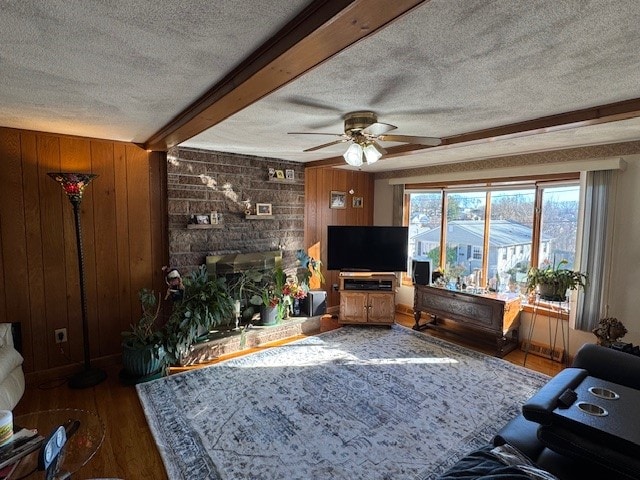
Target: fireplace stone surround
200,182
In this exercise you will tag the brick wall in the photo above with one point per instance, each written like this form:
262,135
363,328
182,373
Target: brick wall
201,181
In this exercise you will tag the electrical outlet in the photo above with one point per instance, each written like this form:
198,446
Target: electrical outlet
61,335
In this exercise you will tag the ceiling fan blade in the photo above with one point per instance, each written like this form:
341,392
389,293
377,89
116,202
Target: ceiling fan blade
309,103
379,147
312,149
431,141
317,133
377,128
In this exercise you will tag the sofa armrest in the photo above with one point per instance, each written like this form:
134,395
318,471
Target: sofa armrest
539,408
608,364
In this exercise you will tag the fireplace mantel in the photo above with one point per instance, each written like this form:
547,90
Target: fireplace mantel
240,262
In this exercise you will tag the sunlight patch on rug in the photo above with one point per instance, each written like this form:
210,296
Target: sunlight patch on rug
353,403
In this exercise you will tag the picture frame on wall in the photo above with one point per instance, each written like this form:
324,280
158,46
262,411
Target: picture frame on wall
290,174
338,200
214,218
263,209
203,219
357,202
280,174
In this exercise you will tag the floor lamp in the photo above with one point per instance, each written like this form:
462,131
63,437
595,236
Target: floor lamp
73,185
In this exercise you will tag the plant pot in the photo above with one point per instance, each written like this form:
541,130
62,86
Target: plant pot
550,292
142,362
269,315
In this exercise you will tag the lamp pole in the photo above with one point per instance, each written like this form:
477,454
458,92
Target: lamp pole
74,184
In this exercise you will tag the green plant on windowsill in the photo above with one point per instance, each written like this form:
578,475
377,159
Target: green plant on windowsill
553,281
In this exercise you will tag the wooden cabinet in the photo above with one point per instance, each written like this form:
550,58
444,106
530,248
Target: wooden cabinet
492,317
367,298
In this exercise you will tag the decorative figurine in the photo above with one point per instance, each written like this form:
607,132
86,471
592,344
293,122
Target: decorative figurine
609,330
174,281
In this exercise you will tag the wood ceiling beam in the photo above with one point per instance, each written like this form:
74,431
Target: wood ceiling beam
611,112
323,29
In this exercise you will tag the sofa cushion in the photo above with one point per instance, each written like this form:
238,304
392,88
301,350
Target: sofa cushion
11,389
609,364
522,434
6,335
9,359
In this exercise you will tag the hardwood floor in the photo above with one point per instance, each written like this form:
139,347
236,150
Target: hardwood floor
129,451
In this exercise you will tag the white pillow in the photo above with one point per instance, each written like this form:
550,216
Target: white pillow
6,338
9,359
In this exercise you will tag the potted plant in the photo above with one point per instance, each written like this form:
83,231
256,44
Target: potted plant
273,307
309,269
246,288
553,281
204,305
143,353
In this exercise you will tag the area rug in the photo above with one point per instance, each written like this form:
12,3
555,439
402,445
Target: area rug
354,403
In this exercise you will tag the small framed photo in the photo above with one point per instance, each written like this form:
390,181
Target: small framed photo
203,219
272,172
214,218
356,202
280,174
263,209
338,200
290,174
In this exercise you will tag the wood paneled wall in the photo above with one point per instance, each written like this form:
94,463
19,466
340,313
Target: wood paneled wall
319,183
123,216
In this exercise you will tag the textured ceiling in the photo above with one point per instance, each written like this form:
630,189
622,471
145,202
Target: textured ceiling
123,70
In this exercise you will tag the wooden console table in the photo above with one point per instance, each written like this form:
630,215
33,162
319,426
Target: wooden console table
491,317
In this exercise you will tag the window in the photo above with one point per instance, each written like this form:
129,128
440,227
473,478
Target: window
559,224
491,234
425,219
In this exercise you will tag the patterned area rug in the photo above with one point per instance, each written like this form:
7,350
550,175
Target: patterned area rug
353,403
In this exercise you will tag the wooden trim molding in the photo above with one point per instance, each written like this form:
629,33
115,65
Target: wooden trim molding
323,29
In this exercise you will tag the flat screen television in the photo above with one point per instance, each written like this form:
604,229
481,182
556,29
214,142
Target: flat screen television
360,248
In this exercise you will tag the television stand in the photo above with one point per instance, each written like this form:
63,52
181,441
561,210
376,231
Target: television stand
367,298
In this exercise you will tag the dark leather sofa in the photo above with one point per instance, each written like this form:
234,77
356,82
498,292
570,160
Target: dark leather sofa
570,450
579,453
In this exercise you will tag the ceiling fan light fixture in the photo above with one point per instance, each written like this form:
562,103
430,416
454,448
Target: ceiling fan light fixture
353,155
371,153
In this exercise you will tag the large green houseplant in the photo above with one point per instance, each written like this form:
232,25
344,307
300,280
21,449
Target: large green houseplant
552,281
143,352
204,305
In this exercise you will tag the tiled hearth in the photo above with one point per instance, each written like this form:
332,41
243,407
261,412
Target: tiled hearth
230,341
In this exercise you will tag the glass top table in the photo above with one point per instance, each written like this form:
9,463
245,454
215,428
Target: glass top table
81,446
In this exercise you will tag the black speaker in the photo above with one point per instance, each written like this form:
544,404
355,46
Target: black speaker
315,303
421,272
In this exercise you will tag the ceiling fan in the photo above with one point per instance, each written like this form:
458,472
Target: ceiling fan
364,131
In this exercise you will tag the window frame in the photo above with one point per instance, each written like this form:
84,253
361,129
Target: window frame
538,182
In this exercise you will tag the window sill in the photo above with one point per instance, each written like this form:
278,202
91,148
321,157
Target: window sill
547,308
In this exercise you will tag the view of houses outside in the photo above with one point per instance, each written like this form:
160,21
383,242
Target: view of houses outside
510,231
